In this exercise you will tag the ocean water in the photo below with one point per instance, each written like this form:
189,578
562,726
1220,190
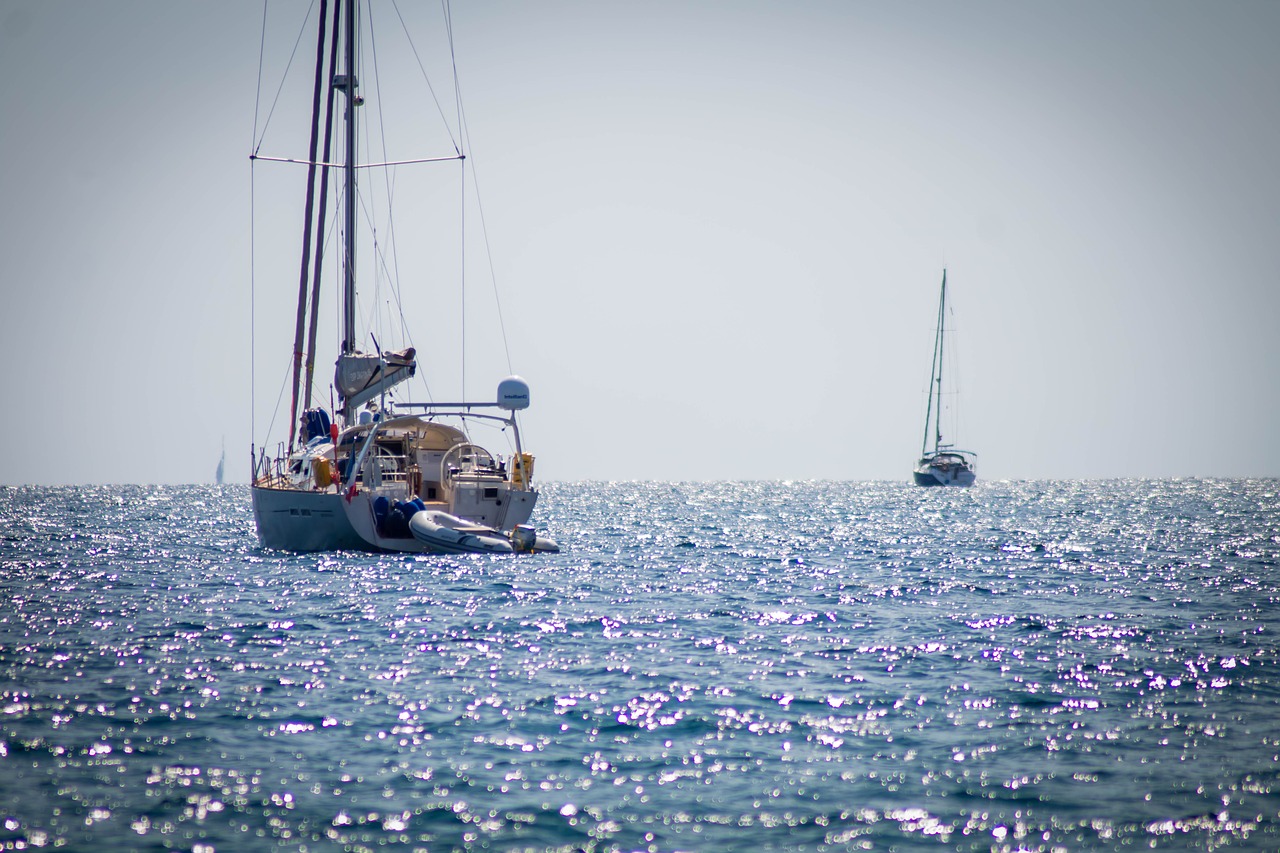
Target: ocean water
1026,666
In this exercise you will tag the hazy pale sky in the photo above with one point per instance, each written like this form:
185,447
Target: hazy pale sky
717,228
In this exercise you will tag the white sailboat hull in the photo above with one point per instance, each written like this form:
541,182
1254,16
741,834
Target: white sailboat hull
927,474
300,520
295,520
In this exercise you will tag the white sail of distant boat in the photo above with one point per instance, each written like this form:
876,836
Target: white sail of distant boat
944,465
222,464
378,474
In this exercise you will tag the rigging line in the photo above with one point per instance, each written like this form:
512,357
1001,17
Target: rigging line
253,234
462,184
462,261
330,165
488,250
338,256
462,201
370,211
253,306
257,97
381,250
453,66
284,381
392,273
465,133
379,255
414,48
369,318
405,333
258,139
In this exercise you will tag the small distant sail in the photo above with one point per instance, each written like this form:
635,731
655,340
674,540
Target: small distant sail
222,464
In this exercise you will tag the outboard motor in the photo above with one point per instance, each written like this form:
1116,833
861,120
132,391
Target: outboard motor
524,537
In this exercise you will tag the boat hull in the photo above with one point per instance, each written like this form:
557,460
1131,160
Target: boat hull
299,520
929,475
296,520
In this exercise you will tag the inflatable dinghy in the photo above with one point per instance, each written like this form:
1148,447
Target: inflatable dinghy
444,532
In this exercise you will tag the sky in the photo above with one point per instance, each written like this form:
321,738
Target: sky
716,231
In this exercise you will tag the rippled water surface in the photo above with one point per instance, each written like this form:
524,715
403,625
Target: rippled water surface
808,666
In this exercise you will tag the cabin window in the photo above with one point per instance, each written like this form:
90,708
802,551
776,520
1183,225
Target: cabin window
491,494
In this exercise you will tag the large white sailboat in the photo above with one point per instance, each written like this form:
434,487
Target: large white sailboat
378,474
944,465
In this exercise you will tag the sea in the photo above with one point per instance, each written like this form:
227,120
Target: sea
1017,666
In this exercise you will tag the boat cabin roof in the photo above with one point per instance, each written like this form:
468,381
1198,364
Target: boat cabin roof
428,434
957,454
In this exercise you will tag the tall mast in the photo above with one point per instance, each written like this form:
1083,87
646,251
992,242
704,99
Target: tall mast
942,324
933,413
321,212
348,84
306,227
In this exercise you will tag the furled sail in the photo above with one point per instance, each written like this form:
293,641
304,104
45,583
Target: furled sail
360,376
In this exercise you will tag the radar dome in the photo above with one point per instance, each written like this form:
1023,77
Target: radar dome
513,393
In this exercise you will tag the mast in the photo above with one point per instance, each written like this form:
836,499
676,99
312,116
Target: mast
319,230
942,325
935,378
306,227
347,83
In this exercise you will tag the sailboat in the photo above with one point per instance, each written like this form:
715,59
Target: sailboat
944,465
222,464
377,474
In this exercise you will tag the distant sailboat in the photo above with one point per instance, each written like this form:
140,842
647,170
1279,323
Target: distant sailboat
944,465
222,463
